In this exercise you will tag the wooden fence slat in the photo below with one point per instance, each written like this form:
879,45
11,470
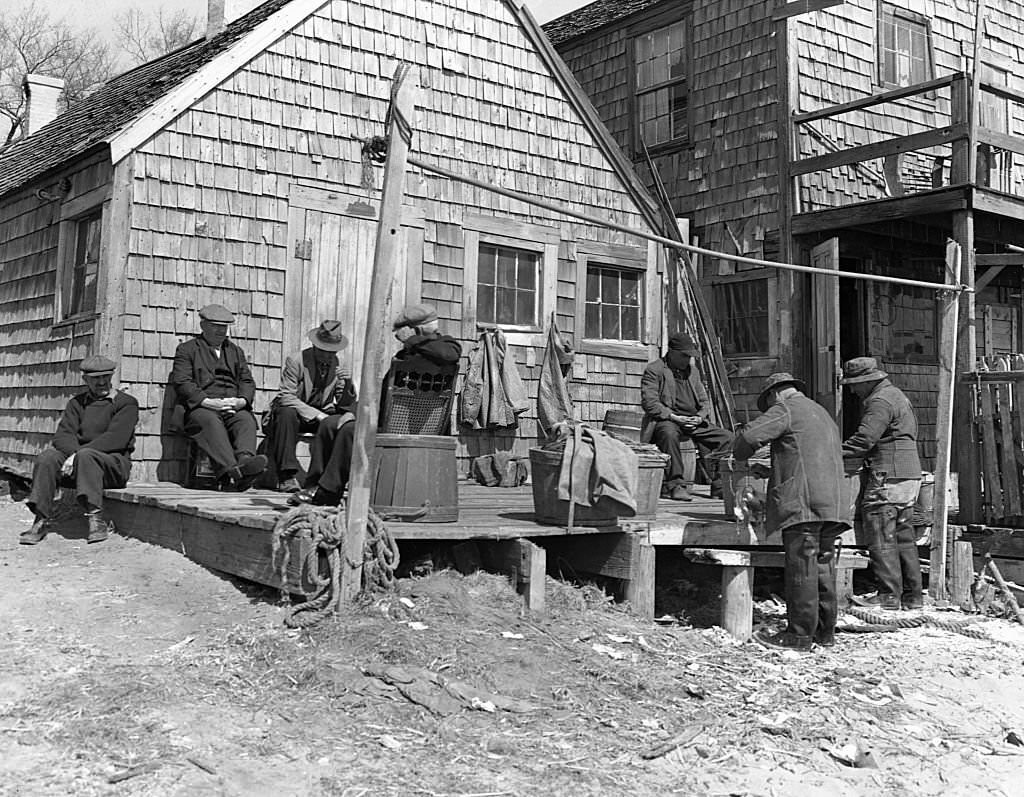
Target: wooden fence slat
990,461
1010,472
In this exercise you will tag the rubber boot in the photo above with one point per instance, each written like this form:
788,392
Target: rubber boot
880,523
828,607
912,596
801,578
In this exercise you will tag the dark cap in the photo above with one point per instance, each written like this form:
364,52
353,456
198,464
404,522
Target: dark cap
774,381
217,314
680,341
415,315
328,336
862,369
97,365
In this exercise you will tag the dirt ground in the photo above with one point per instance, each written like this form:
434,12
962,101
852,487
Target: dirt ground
126,669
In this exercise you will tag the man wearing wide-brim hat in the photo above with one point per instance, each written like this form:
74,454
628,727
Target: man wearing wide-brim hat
676,408
316,395
216,390
90,451
806,502
884,451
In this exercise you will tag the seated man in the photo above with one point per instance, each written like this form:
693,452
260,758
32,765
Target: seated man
331,453
216,390
315,390
676,408
91,449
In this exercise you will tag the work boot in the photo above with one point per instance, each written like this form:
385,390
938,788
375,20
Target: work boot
289,485
680,493
785,640
37,533
882,600
825,640
99,527
880,524
248,470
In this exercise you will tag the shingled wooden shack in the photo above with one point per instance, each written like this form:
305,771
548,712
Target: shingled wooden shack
859,135
230,171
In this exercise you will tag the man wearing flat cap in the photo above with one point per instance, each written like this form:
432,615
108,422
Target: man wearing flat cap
316,395
416,327
677,408
215,388
884,451
90,451
806,501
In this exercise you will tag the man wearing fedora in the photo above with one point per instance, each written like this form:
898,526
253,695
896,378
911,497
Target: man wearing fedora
676,408
805,501
316,390
90,451
884,450
215,390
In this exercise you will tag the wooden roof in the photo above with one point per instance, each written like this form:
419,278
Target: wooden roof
592,17
120,100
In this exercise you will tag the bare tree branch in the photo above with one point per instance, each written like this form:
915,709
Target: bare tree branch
145,35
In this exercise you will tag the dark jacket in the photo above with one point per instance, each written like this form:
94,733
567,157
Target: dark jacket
807,484
198,374
103,424
296,389
658,395
438,348
886,439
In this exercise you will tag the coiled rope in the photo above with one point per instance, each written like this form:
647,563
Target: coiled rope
325,528
885,622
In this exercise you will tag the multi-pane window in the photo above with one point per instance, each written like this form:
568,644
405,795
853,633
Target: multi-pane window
904,43
82,283
507,286
661,90
741,316
613,303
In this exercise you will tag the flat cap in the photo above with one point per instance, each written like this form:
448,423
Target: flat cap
97,365
776,380
415,315
862,369
217,313
680,341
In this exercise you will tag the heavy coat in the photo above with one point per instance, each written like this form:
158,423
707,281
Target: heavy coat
886,439
807,484
194,372
658,395
296,389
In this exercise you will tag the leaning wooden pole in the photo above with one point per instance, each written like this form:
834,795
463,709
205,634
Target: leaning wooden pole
950,303
404,94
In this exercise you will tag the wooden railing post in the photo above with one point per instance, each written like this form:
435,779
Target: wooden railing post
961,165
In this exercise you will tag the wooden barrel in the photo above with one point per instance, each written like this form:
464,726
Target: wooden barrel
415,478
624,424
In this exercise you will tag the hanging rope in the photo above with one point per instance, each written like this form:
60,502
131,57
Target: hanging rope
375,148
325,528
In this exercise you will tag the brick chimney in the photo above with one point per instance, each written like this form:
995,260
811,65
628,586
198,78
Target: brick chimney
41,95
221,13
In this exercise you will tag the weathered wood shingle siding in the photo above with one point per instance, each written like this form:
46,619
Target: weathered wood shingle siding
37,356
210,191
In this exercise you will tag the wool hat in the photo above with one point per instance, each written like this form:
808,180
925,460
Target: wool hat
680,341
328,336
217,314
97,365
774,381
862,369
415,315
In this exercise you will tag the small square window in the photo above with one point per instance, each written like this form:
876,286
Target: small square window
741,315
507,280
84,270
613,304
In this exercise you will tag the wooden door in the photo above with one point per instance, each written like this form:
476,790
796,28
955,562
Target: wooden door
827,364
331,238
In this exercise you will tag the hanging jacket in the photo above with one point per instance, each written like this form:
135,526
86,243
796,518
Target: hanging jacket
494,393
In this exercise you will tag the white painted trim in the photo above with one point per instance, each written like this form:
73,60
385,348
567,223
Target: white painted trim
157,116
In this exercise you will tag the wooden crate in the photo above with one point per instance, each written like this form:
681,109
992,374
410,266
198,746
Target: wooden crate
997,400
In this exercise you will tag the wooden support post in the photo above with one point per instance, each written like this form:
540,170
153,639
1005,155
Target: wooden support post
844,586
523,562
738,601
944,420
961,575
378,325
639,588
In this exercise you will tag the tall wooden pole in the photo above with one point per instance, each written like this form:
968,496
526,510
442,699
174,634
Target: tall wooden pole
378,341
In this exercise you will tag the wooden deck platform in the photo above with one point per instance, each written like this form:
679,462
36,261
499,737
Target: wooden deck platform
233,533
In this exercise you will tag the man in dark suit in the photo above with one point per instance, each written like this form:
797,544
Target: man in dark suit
316,395
417,329
91,450
216,390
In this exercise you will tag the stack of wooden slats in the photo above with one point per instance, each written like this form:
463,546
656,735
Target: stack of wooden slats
998,401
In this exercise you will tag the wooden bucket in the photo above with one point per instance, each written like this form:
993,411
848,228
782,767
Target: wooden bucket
414,478
624,424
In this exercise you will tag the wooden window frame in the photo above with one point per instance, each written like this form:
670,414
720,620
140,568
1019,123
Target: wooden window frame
772,286
915,18
501,231
73,212
647,261
650,25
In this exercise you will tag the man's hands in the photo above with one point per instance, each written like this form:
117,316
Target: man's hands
688,422
225,406
68,468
